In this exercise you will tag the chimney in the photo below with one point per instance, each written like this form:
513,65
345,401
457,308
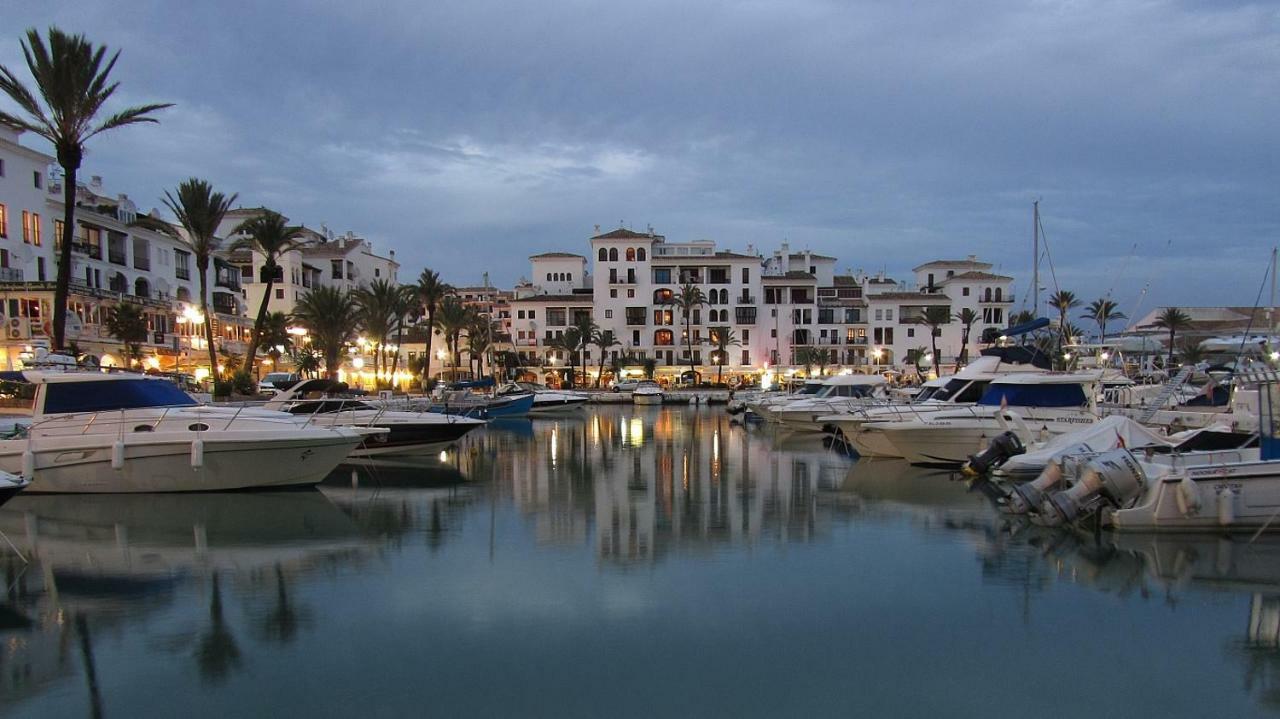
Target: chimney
393,255
597,229
342,242
96,182
973,258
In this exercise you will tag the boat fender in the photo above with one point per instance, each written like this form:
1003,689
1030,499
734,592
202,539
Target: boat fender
1226,506
117,454
197,453
28,465
1188,496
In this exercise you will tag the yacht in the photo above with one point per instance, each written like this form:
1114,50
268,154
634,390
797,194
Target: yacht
962,389
1041,404
840,394
647,392
545,399
404,432
761,403
93,432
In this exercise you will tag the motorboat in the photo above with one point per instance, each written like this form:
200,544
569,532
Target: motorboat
841,394
93,432
962,389
761,404
545,399
647,392
1045,404
319,401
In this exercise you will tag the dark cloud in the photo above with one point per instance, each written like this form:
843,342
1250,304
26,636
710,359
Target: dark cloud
469,134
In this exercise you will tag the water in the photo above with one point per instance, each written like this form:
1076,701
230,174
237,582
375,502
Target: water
625,562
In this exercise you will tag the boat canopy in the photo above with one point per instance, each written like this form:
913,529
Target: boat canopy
482,383
115,394
1065,391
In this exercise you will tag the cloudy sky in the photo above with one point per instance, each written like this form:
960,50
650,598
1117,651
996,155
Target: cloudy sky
468,135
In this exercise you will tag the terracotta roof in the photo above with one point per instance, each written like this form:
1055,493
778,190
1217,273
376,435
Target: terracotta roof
331,248
971,264
555,255
919,296
623,234
555,298
976,275
814,255
725,254
844,280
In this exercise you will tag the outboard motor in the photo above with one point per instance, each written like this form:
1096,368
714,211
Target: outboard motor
1063,468
1114,477
998,451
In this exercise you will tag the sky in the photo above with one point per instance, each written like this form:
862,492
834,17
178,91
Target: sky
469,135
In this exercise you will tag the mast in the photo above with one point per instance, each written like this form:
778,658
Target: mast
1271,308
1035,259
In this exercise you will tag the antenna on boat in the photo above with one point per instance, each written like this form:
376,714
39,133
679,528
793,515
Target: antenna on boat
1035,259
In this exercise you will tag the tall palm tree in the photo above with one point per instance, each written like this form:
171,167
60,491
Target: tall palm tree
1172,319
686,300
269,235
1192,352
403,306
378,302
723,338
199,211
479,340
587,329
804,356
603,339
306,360
128,324
570,342
935,318
452,318
275,335
966,317
74,84
331,317
431,292
1063,301
1103,311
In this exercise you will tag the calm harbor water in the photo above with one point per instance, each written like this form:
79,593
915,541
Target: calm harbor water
622,562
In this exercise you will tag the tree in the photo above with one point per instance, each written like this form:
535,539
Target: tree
479,340
804,356
723,338
199,210
649,364
1063,301
686,300
268,235
275,335
1192,352
569,341
378,304
74,84
935,318
1020,318
1103,311
306,360
587,329
331,317
128,324
1172,319
966,317
604,339
406,298
452,318
431,292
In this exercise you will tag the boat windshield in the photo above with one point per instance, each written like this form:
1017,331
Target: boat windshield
1035,395
67,397
322,406
962,391
809,388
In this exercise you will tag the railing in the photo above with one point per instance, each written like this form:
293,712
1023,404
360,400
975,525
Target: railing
182,273
1002,300
10,274
142,263
84,248
747,300
118,258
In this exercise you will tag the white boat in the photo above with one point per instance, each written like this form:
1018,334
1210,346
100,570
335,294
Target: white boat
545,399
118,433
647,392
762,404
963,389
840,394
404,432
1047,404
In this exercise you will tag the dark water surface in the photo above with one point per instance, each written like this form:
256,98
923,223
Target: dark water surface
625,562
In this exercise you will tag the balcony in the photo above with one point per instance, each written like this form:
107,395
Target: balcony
182,273
118,258
1003,300
747,300
744,315
84,248
636,322
858,341
142,263
10,274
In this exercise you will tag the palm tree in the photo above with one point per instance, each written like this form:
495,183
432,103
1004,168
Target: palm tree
1102,311
199,211
603,339
331,317
75,85
268,235
403,306
431,292
479,339
1172,319
378,304
569,342
275,335
128,324
935,318
306,360
686,300
723,338
1063,301
1192,352
452,318
587,329
967,318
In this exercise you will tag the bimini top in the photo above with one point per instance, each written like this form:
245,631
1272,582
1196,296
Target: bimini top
1057,389
65,395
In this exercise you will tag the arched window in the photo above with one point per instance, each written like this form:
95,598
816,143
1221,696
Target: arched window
631,254
184,294
986,296
141,287
661,297
712,297
724,297
603,254
664,337
548,277
997,294
118,283
569,276
613,254
640,254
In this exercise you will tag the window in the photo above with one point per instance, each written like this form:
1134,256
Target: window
773,333
377,272
639,253
603,255
631,254
4,220
631,294
662,276
182,264
661,297
608,314
37,180
556,317
613,275
964,291
911,331
279,293
746,356
888,315
635,315
746,275
613,254
813,270
335,267
613,294
532,314
548,277
664,337
635,337
1,167
663,317
879,315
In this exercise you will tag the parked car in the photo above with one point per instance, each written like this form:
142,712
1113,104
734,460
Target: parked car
273,382
626,385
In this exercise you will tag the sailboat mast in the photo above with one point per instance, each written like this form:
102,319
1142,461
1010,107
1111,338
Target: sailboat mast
1035,259
1271,308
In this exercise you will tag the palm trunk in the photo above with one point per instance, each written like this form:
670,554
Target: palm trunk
1172,331
600,373
63,286
203,269
688,341
431,332
395,358
257,324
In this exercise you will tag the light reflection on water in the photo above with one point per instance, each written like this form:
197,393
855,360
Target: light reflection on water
621,562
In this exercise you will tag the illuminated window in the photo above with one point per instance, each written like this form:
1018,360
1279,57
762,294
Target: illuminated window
664,337
631,254
4,221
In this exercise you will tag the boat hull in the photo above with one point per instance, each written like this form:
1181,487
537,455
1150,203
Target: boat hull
1239,496
646,399
557,406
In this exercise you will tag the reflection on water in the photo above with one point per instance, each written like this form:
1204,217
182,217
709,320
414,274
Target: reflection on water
586,560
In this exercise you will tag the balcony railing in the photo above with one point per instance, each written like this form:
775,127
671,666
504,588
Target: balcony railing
142,263
747,300
10,274
182,273
84,248
118,258
1002,300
